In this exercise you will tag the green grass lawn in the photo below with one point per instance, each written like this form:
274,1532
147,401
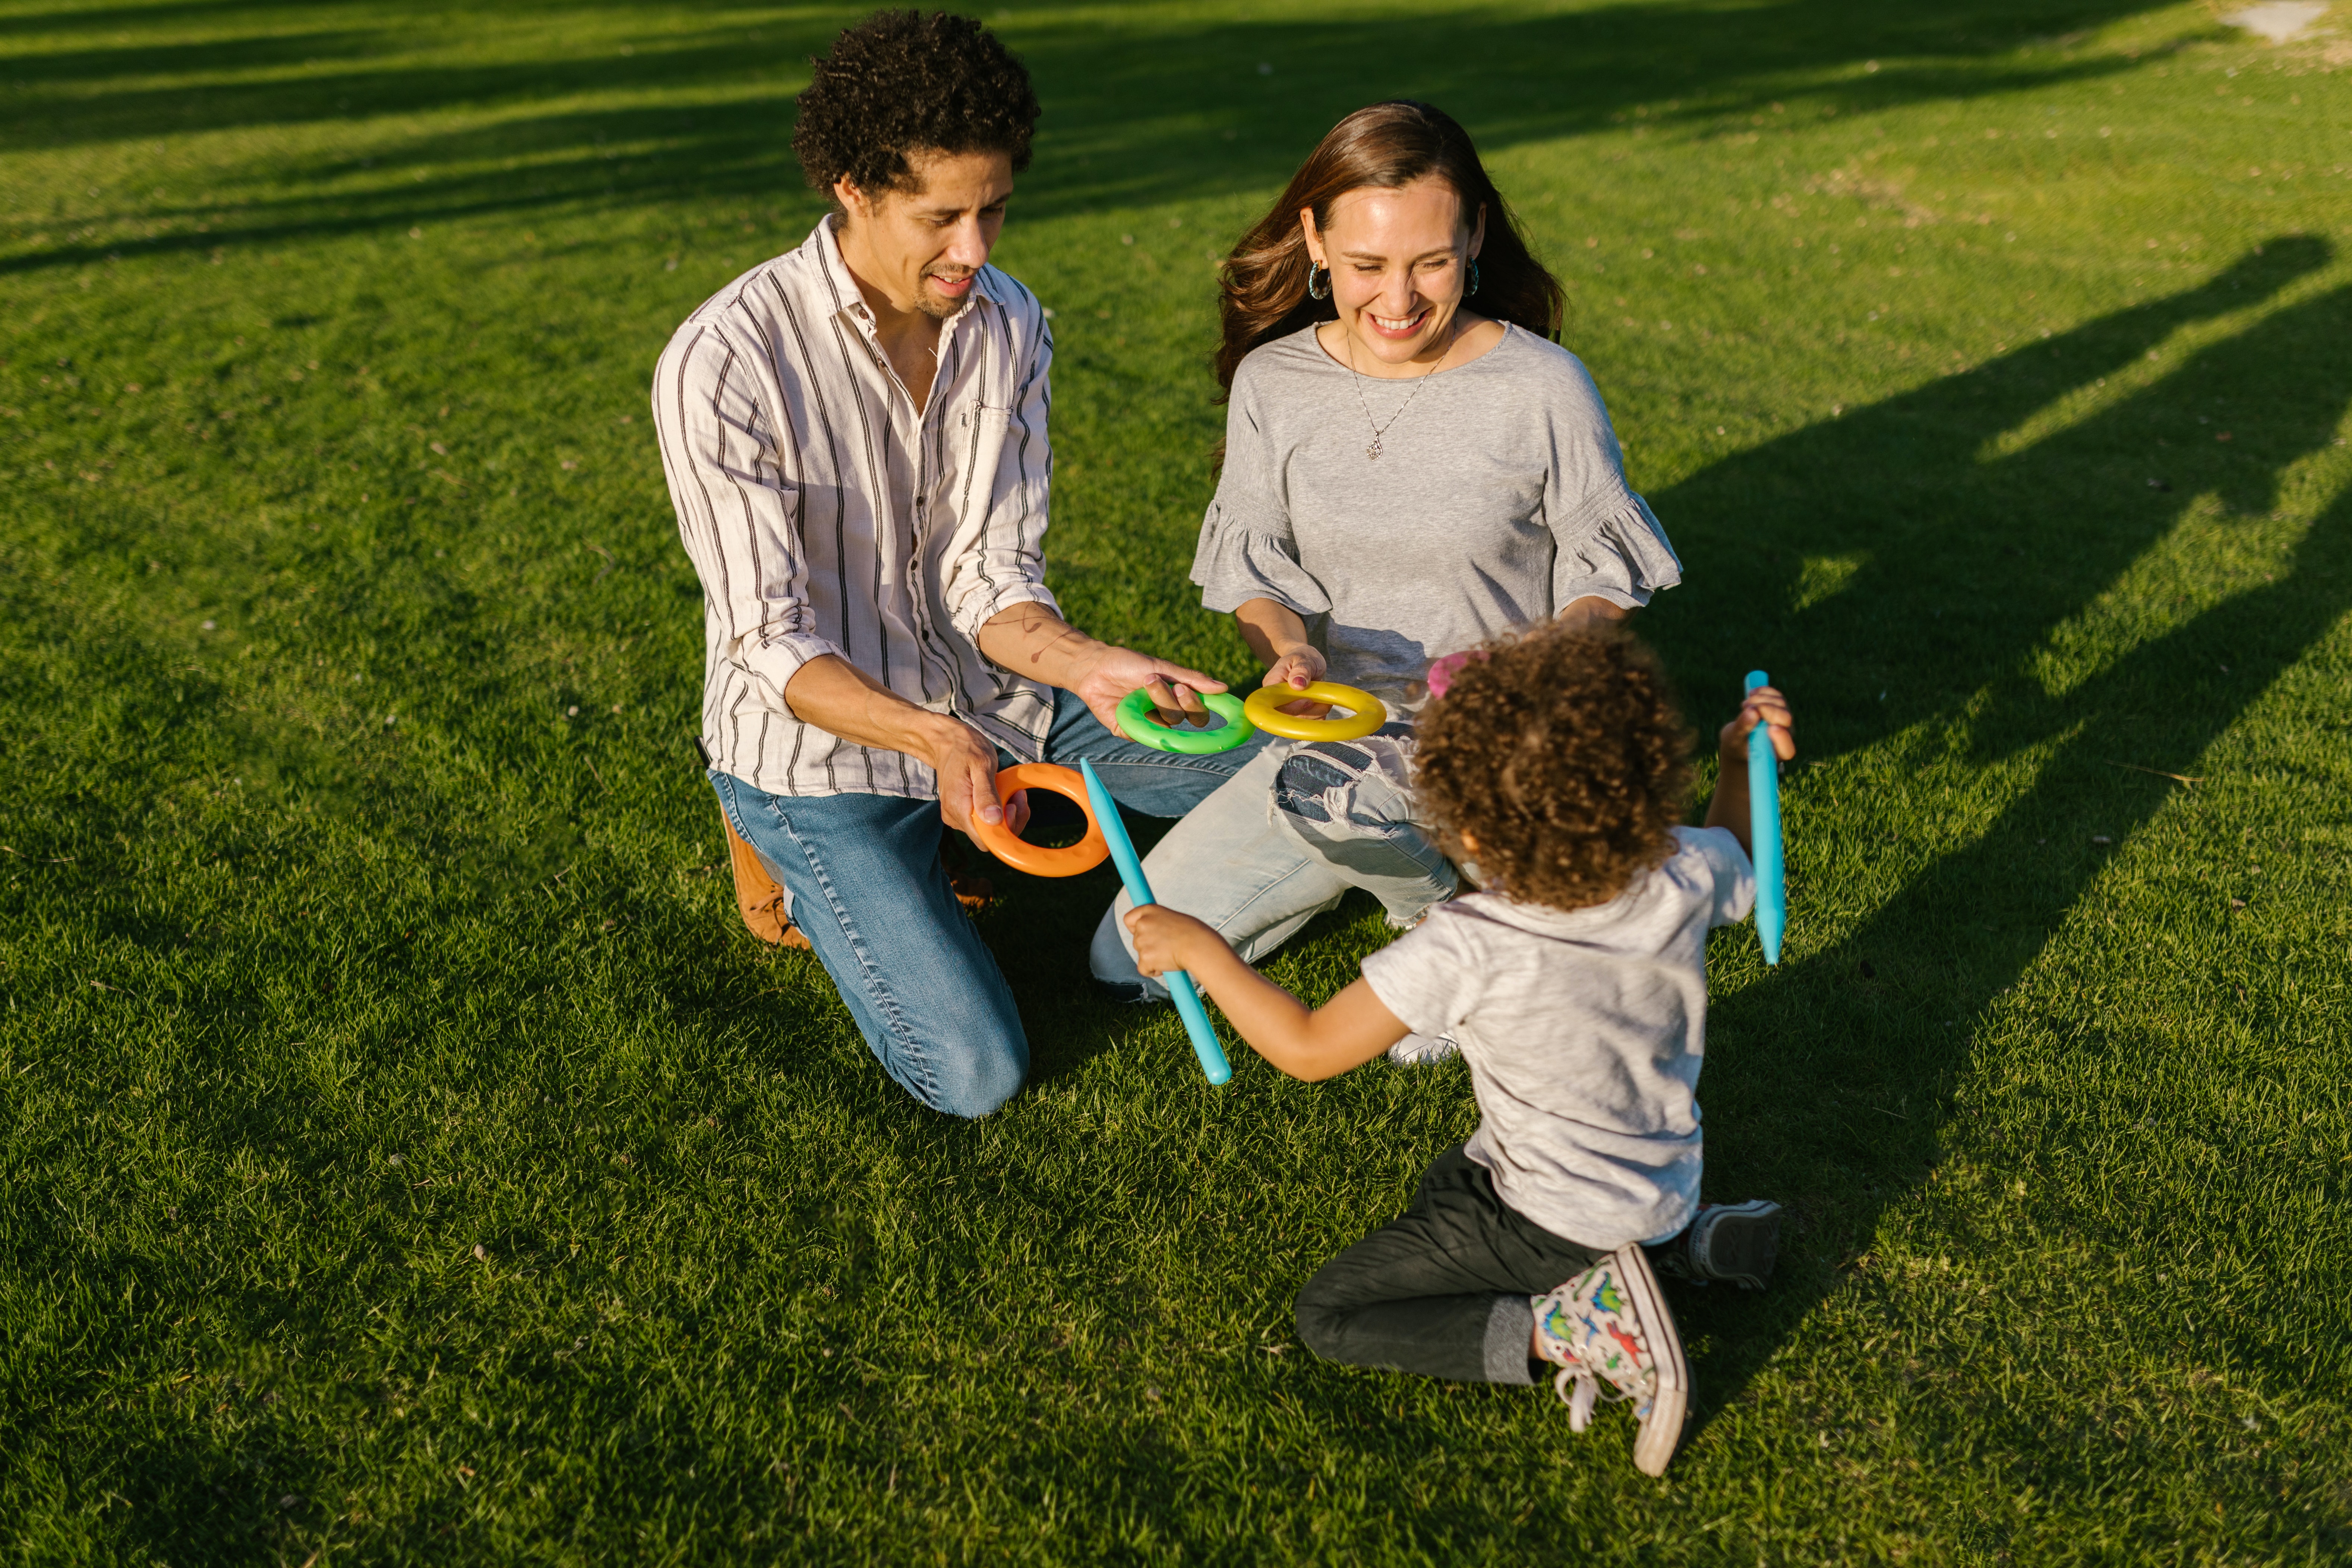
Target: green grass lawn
405,1155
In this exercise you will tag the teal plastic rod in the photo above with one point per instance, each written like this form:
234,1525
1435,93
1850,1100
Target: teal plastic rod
1764,832
1139,893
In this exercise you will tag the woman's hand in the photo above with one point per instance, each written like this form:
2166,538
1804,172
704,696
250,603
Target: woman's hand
1276,635
1298,668
1165,940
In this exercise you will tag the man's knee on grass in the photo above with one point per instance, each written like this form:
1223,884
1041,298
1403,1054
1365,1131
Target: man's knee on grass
967,1080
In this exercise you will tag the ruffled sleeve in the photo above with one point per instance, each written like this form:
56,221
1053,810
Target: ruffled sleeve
1608,544
1236,563
1622,556
1246,549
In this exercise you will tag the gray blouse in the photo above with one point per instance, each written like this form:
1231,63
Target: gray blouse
1499,499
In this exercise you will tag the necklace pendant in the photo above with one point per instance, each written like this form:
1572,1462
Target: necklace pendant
1373,451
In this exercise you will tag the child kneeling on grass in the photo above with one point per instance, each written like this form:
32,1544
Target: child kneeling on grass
1576,985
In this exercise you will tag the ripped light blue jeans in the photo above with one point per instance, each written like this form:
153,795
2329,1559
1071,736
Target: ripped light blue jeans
1283,840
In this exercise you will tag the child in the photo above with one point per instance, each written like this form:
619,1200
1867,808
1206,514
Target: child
1576,985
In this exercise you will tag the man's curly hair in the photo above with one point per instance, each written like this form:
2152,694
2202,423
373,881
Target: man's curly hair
1561,752
901,82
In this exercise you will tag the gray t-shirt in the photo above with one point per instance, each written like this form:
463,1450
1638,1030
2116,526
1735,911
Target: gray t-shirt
1498,498
1585,1030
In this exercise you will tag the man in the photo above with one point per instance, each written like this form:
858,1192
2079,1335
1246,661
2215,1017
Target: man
854,437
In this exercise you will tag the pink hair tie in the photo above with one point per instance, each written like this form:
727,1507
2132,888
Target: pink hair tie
1442,671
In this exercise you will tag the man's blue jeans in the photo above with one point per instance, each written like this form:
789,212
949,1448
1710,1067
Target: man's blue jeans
868,889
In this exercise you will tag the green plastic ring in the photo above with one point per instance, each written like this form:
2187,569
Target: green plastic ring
1134,722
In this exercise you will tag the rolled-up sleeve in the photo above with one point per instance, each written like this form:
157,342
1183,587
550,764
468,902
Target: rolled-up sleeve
1006,564
733,472
1246,549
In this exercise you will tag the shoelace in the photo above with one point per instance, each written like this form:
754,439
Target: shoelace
1580,1388
1579,1397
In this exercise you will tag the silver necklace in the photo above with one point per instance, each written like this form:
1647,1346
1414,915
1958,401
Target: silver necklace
1379,429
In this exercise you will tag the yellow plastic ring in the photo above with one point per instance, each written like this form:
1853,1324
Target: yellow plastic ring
1038,859
1365,713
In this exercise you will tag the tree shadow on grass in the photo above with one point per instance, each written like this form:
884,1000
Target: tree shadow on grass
1831,1079
1138,112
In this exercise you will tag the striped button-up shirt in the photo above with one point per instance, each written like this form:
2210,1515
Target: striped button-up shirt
824,514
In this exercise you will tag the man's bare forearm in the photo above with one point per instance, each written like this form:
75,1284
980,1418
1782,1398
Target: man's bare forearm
1032,641
842,700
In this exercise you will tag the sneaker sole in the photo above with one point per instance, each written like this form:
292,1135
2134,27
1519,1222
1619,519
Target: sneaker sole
1662,1425
1739,1245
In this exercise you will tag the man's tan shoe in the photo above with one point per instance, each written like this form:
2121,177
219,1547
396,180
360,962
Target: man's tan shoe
757,895
761,901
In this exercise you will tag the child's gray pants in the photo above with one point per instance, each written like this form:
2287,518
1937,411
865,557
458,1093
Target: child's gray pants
1443,1290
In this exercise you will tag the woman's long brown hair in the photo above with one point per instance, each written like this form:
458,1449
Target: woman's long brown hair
1390,145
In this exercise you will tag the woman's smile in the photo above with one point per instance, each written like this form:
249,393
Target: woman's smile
1397,328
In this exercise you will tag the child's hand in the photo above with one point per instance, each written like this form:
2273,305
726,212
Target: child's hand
1765,705
1165,940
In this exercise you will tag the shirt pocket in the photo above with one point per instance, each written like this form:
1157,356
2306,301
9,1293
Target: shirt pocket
980,431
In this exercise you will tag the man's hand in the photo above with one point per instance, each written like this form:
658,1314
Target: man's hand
842,700
1765,705
1165,940
1103,678
966,763
1030,639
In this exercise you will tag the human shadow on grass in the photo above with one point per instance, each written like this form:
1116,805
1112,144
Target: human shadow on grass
1831,1079
1136,115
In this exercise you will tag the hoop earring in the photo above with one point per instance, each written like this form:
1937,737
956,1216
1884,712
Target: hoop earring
1474,275
1312,292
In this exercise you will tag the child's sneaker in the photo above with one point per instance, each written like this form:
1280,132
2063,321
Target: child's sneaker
1609,1324
1733,1242
1419,1050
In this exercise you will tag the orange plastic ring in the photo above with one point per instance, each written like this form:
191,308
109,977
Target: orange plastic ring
1037,859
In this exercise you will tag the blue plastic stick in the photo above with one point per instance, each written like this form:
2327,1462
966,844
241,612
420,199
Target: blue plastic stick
1139,893
1764,832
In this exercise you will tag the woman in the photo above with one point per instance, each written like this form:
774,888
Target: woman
1412,466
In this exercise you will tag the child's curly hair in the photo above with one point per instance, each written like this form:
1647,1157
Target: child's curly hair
901,82
1561,752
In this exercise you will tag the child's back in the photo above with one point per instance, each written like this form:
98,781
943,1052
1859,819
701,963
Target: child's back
1584,1031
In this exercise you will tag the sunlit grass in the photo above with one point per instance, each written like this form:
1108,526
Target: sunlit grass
407,1156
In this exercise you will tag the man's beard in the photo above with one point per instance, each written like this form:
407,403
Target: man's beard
936,307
